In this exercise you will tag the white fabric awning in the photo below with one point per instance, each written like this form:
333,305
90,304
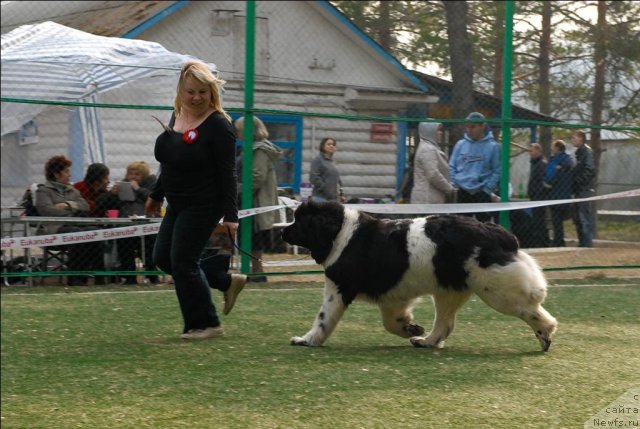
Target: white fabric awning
49,61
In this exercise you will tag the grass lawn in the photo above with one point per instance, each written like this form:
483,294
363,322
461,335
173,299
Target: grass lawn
609,230
112,358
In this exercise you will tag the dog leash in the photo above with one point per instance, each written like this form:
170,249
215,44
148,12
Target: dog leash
244,252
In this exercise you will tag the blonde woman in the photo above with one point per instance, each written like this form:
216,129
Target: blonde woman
142,182
198,178
265,190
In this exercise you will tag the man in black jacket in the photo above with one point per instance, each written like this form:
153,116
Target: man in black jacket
537,192
584,174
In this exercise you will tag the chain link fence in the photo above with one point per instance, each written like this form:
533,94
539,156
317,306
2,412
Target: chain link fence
317,75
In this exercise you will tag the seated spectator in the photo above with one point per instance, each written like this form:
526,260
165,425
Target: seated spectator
58,198
142,183
95,183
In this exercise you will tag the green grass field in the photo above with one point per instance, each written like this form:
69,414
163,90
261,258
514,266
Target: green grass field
112,358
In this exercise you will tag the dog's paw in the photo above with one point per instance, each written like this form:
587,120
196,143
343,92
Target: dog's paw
545,342
414,330
423,343
299,341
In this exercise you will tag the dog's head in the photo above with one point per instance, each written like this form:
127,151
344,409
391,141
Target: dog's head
315,227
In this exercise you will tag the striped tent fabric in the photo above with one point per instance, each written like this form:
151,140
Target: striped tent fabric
49,61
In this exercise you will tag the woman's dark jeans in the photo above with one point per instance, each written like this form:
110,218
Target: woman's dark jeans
183,234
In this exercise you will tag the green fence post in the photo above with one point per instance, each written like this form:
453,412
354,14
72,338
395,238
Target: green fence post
247,136
506,109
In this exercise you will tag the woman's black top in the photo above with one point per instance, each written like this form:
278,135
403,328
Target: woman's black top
202,172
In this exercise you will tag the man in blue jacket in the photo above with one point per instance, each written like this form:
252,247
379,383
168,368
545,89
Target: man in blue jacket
475,166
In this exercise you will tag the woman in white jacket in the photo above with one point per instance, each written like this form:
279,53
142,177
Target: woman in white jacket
431,180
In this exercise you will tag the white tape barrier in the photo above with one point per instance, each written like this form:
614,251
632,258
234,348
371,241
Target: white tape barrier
152,228
479,207
104,234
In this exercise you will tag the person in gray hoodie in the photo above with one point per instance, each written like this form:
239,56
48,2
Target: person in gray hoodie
265,190
431,180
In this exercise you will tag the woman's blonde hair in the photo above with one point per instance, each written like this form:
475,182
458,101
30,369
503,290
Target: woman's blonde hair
200,71
139,167
259,129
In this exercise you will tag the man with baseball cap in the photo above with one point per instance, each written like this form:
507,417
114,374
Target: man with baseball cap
475,165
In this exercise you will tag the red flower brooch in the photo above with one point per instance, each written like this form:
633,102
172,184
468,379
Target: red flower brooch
190,136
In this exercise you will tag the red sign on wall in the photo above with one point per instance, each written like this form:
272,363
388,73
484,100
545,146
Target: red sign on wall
381,132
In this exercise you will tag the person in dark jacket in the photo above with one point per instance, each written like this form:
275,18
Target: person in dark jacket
557,180
584,175
537,192
198,178
94,188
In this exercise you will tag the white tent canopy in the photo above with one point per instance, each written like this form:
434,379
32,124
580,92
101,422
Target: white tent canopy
49,61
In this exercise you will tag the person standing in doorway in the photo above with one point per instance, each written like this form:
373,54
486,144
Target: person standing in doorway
198,178
265,191
584,175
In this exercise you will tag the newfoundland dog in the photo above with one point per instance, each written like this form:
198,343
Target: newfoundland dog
394,262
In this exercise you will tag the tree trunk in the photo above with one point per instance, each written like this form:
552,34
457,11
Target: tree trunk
599,56
498,30
544,66
384,26
461,64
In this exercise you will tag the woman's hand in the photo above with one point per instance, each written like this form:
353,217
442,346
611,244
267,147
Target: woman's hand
231,227
152,207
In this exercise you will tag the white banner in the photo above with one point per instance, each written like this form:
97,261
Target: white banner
152,228
479,207
104,234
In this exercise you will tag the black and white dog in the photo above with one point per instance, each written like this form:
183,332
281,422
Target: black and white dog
394,262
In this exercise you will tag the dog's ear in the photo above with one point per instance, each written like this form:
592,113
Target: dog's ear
325,222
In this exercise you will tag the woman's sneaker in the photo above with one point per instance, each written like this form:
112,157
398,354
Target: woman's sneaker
237,284
203,334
